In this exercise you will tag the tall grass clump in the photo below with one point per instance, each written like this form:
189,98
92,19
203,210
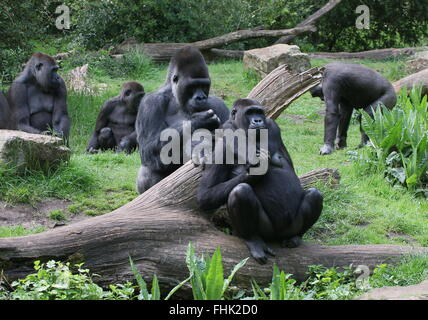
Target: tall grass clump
399,142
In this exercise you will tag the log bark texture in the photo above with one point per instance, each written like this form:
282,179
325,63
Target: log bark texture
378,54
417,79
155,229
311,19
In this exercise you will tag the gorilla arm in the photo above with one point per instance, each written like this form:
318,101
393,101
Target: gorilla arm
102,121
151,120
215,185
277,149
20,107
60,119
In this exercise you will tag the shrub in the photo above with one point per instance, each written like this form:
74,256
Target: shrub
399,141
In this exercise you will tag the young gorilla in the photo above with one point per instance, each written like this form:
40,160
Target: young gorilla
269,207
183,97
5,116
115,126
38,98
346,87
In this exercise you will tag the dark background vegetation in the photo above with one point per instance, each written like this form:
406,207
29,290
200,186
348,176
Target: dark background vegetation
97,24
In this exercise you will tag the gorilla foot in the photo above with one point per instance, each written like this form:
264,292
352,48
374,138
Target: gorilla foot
259,249
293,242
326,149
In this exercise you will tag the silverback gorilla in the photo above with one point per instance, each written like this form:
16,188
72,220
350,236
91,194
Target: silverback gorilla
115,125
269,207
38,98
345,87
5,117
183,97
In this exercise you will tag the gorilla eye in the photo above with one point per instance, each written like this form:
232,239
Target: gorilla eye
39,66
127,92
175,79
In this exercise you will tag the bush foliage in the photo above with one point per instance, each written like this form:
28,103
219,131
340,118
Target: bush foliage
399,141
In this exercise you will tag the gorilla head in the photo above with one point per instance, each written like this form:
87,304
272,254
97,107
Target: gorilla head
43,69
131,94
317,92
189,80
248,114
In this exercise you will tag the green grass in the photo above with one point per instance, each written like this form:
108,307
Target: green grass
364,209
18,231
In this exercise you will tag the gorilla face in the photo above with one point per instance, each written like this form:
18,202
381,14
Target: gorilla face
248,114
190,80
45,71
131,95
191,93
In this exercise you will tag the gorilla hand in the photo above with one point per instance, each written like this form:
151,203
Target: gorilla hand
257,168
91,150
124,145
326,149
205,119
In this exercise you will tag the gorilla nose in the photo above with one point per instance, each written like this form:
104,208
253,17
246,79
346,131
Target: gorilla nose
201,98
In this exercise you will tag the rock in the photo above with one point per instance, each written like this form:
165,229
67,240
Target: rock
415,292
422,55
31,151
265,60
76,80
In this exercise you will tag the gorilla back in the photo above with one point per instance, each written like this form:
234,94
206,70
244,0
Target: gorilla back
345,87
183,97
38,98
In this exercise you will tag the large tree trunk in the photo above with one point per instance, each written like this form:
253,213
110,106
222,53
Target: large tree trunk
311,19
155,229
417,79
164,51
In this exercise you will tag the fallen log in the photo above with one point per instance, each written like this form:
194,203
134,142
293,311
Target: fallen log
164,51
417,79
155,229
378,54
311,20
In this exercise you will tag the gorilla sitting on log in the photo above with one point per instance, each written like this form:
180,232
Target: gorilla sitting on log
345,87
115,126
183,97
5,116
268,207
38,98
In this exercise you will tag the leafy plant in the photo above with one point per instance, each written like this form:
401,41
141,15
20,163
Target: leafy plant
207,276
56,281
322,284
399,139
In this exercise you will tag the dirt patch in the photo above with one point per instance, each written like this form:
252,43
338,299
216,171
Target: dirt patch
398,235
31,216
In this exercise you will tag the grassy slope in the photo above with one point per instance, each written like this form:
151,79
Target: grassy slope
365,209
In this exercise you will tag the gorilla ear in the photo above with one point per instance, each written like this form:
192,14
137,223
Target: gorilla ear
233,114
39,66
